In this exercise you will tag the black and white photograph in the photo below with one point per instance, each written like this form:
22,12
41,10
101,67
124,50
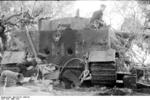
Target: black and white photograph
74,48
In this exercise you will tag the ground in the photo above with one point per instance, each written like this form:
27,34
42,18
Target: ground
45,90
19,91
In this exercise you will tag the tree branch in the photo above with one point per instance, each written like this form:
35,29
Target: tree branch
11,24
15,15
45,18
8,30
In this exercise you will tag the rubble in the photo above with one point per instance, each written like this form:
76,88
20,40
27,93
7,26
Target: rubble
130,81
9,82
48,84
49,71
116,91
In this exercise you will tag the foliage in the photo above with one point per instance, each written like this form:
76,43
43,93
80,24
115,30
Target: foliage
132,25
132,14
20,13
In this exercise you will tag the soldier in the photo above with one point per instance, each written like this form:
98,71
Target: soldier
97,17
2,34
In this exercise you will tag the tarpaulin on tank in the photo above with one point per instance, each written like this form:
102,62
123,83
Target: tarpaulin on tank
76,23
11,57
102,56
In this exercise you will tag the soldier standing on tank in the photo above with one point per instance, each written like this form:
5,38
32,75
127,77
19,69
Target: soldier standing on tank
97,17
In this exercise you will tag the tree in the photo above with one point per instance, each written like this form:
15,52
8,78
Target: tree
132,15
30,12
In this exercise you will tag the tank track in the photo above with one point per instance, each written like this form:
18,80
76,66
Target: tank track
103,73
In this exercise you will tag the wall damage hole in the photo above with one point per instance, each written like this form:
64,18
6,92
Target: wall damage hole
46,50
70,51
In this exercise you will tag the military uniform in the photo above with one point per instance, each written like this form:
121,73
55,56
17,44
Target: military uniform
97,18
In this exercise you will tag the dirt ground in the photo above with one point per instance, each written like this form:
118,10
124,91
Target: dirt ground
19,91
44,89
37,91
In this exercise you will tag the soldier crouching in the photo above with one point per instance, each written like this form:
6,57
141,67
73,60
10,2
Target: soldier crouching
8,76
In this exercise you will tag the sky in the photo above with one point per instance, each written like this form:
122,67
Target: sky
111,17
88,7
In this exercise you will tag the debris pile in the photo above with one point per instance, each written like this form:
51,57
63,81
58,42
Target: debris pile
49,71
116,91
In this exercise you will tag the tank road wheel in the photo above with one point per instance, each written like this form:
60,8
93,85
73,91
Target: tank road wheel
71,73
70,78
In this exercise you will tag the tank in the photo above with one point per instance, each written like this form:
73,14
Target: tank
67,42
67,46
